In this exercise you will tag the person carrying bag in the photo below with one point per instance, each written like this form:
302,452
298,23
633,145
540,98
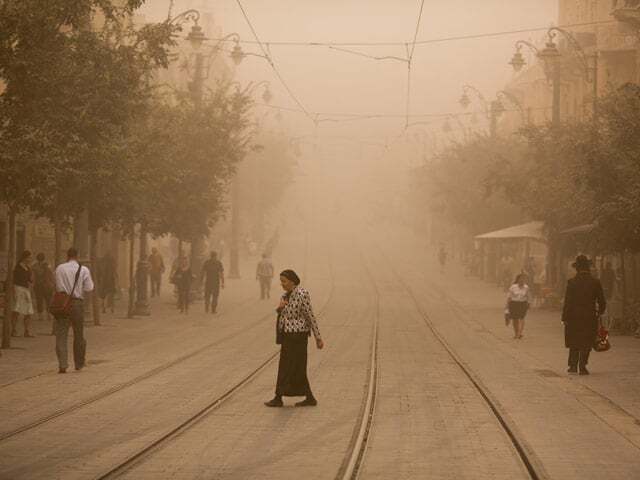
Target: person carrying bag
60,306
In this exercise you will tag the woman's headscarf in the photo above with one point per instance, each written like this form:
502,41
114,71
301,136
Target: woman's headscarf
291,275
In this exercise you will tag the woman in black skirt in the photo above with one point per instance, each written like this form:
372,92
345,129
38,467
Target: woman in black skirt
518,304
294,326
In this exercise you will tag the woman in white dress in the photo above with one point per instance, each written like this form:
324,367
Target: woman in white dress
518,304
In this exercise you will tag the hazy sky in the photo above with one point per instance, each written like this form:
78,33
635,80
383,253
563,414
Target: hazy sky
326,80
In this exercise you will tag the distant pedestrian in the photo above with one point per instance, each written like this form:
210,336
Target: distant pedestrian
107,281
442,258
213,275
608,280
264,274
156,270
518,298
182,278
294,325
44,284
22,301
584,302
74,280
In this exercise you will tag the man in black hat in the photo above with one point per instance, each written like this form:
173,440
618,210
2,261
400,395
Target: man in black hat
584,302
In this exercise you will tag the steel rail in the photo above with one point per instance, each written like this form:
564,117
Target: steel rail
355,456
146,452
121,386
526,454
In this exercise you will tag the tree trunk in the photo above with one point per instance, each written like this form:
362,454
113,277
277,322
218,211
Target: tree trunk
623,281
93,258
132,288
8,299
57,228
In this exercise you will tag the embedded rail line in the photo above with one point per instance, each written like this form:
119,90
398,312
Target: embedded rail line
146,452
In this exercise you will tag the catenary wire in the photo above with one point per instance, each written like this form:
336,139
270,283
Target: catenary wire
273,66
423,42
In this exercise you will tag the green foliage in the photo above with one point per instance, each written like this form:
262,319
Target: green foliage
451,186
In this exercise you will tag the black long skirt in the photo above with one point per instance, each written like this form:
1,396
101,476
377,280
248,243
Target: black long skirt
292,368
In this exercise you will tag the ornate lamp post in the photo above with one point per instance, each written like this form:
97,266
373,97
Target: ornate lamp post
551,58
491,109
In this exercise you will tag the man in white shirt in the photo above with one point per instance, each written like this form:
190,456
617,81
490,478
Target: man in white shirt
65,280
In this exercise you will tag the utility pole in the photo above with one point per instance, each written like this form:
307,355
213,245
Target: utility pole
197,242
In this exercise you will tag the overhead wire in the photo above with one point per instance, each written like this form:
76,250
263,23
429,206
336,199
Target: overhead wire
426,41
409,62
267,55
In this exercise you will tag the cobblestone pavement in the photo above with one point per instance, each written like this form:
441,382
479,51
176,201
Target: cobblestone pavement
429,421
577,427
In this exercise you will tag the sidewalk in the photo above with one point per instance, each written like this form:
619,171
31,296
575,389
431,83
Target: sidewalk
615,374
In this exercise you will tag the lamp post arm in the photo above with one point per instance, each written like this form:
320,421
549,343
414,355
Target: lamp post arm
188,15
485,105
579,51
520,43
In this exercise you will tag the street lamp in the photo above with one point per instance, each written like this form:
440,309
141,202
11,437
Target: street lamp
551,58
491,109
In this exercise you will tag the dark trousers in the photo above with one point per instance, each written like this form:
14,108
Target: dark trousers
76,321
43,297
579,357
156,280
183,299
211,294
265,287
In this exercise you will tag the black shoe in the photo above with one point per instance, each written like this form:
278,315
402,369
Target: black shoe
307,402
62,370
79,367
573,370
584,371
275,402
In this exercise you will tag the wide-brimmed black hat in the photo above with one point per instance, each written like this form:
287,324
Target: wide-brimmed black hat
581,263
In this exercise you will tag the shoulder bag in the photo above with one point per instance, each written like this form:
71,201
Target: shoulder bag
60,306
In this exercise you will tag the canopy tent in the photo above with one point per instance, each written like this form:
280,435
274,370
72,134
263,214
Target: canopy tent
531,230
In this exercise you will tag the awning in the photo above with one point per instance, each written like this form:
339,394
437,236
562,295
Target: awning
588,228
533,230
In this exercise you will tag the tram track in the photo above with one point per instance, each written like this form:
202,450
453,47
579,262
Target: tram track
162,441
356,453
527,456
238,307
130,383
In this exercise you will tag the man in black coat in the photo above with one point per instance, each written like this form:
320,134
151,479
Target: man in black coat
584,302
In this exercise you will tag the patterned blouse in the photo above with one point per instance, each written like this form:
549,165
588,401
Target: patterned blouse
297,316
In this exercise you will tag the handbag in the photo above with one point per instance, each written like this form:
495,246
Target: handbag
60,306
602,343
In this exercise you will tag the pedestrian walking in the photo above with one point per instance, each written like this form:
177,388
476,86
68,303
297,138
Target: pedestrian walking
518,298
22,301
584,302
294,326
442,258
44,284
213,274
264,274
107,281
156,270
182,279
74,280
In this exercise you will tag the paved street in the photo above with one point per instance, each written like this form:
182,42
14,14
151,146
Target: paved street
429,420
